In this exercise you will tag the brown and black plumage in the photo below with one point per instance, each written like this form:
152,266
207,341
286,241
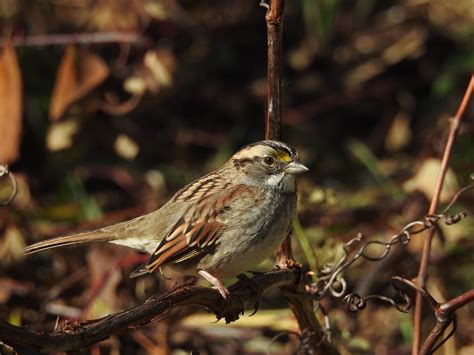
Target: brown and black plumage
217,226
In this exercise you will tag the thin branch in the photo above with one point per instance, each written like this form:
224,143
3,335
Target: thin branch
445,316
274,18
77,38
313,338
80,335
426,251
429,345
458,302
444,313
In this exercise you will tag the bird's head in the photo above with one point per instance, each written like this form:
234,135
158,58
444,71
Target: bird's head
272,164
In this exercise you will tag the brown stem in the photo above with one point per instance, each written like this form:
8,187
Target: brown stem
444,317
426,251
313,340
444,313
456,303
274,18
80,38
85,334
433,337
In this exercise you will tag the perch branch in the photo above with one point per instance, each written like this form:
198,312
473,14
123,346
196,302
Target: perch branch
426,251
80,335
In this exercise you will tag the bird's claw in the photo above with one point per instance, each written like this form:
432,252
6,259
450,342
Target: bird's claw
255,286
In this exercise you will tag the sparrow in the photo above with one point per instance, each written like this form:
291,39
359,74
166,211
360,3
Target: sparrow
220,225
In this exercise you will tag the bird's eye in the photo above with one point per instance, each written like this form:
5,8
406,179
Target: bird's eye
269,160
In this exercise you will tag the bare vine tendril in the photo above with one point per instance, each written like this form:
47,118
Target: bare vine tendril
4,171
331,281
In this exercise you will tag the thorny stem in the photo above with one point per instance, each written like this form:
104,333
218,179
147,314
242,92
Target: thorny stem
426,251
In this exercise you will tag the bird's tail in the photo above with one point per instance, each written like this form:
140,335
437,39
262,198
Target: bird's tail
99,235
130,233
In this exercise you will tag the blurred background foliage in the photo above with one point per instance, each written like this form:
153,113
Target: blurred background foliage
108,107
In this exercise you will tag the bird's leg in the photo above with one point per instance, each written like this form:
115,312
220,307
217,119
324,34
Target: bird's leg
216,283
255,286
224,291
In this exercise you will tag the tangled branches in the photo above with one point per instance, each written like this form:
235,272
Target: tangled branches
331,282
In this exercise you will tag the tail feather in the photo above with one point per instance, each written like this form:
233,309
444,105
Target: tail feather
99,235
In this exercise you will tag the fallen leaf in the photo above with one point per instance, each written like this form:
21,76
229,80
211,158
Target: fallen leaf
60,135
159,66
11,246
466,350
135,85
79,72
126,147
10,105
426,177
399,134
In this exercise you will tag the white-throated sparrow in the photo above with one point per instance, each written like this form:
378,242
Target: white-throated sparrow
218,226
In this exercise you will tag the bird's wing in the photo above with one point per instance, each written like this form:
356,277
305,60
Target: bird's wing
200,226
147,228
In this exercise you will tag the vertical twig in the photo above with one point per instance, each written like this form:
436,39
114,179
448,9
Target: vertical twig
274,18
313,339
426,251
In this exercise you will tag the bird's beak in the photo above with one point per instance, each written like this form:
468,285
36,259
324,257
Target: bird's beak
295,167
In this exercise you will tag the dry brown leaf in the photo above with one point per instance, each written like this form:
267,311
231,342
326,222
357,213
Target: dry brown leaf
159,66
425,179
126,147
79,72
64,85
12,244
10,105
60,135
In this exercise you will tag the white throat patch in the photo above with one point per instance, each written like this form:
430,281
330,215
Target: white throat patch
274,179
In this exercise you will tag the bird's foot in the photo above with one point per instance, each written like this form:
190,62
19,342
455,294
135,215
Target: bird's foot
288,264
227,297
256,287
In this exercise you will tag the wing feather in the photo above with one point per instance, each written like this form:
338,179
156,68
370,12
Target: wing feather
200,225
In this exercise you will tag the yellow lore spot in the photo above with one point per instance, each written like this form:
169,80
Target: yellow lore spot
285,157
